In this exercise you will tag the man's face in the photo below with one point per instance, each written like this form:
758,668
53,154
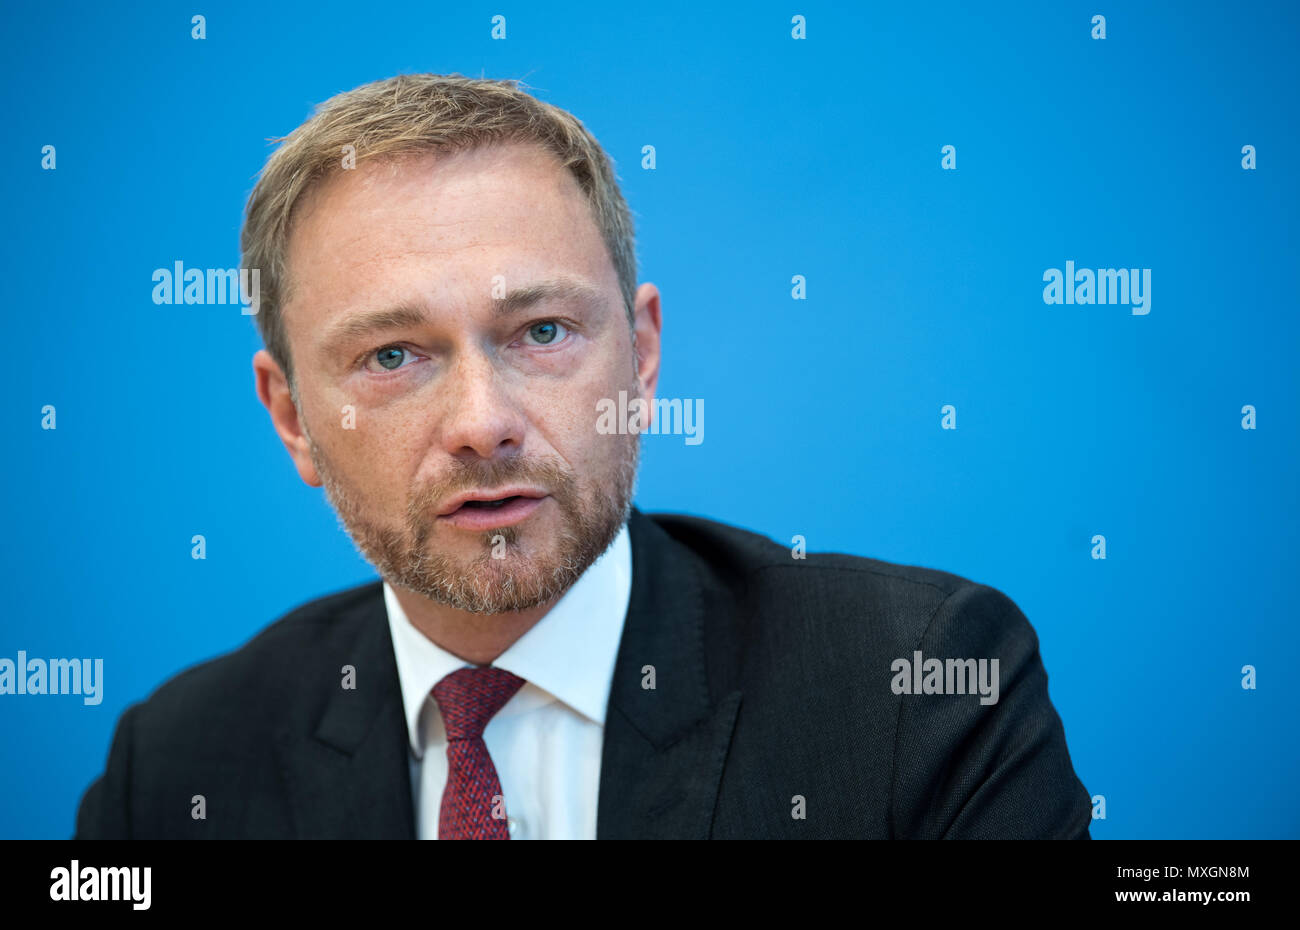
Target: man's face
453,321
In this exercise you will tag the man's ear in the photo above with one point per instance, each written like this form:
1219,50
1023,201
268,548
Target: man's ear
649,323
273,391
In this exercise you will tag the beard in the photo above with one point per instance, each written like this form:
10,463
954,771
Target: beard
513,568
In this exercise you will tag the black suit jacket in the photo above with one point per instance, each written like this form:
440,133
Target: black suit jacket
772,680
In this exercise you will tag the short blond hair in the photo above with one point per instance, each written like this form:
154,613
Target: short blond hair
410,113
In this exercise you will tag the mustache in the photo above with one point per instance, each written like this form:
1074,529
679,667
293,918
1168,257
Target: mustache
467,475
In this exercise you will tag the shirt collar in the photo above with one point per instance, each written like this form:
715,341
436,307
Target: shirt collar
569,653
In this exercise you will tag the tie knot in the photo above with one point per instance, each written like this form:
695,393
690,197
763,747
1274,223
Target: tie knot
469,697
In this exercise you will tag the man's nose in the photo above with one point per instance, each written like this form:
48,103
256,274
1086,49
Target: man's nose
481,418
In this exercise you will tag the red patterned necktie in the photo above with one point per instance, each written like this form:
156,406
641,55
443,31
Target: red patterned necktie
468,699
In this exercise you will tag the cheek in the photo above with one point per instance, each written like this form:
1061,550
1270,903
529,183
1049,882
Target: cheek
378,457
566,417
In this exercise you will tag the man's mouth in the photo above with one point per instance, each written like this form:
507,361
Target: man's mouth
489,505
491,510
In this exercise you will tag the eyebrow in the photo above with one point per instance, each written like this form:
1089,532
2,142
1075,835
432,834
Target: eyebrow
404,316
562,289
363,324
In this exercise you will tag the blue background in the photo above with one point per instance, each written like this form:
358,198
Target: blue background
776,157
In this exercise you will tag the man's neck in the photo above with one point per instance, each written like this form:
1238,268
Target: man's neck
477,638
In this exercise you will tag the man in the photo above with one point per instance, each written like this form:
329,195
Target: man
448,295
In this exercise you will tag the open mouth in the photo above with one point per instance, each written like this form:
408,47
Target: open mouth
496,512
489,505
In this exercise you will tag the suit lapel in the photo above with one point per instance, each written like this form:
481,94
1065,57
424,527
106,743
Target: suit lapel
350,777
664,747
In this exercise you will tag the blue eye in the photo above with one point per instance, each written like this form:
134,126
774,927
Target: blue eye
391,358
547,332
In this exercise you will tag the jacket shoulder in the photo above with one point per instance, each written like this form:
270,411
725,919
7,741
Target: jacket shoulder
813,644
756,569
746,551
230,686
213,723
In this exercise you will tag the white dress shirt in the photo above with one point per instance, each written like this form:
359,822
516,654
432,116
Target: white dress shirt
546,741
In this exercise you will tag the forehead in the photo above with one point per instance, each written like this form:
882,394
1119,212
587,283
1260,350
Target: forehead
445,222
